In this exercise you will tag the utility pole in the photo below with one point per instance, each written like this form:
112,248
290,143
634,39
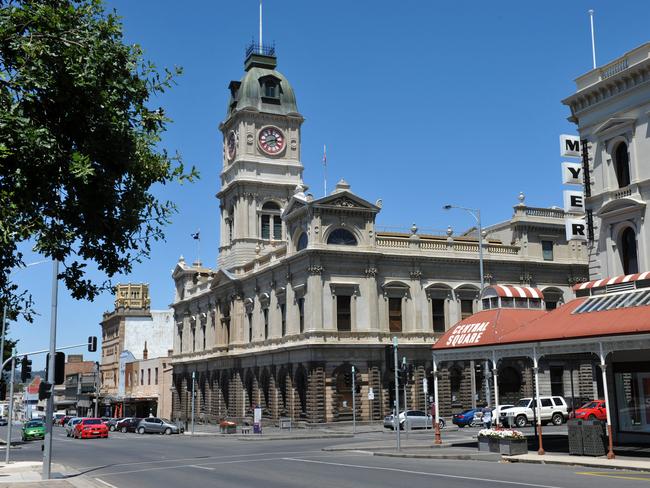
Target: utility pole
47,454
96,370
354,402
11,405
193,382
396,416
406,414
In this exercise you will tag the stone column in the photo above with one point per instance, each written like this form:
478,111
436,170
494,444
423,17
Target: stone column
314,298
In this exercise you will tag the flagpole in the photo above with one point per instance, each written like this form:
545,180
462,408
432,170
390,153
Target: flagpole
261,27
593,40
198,247
325,169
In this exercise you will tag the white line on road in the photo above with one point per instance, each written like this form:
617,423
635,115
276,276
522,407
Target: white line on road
106,483
201,467
422,473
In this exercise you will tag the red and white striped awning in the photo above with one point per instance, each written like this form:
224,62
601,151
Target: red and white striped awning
517,291
612,281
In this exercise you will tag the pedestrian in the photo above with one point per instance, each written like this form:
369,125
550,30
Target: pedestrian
487,417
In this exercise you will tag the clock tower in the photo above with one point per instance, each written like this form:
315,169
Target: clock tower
261,160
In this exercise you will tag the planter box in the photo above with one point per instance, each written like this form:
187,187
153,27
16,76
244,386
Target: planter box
493,442
228,429
512,447
483,444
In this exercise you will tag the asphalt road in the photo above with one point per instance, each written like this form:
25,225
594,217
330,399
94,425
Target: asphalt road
130,460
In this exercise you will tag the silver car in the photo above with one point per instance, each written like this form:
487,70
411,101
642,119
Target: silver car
414,419
155,425
69,427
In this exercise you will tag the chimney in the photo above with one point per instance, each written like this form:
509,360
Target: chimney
145,353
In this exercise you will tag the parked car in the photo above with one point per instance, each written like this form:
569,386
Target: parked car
128,424
90,427
552,409
33,429
111,423
69,427
155,425
502,408
416,419
595,410
465,418
64,421
3,421
58,417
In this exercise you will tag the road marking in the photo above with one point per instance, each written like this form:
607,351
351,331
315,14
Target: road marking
423,473
634,475
106,483
201,467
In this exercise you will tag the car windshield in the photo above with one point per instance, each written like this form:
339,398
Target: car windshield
590,405
524,402
75,421
92,421
34,423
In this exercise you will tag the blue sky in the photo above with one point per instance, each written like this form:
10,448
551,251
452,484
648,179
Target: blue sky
420,104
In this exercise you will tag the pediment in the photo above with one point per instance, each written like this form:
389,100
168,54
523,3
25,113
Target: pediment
222,277
294,205
346,200
614,125
621,205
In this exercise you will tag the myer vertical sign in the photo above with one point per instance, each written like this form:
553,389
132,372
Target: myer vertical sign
574,200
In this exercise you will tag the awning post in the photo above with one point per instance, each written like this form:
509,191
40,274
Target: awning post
540,451
495,377
438,440
603,368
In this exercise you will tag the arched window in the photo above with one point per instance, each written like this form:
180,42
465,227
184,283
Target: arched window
628,251
342,237
271,222
303,240
622,165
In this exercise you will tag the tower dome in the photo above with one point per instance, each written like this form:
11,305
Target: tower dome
262,88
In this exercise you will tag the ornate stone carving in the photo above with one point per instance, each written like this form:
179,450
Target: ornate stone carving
525,278
370,272
294,144
344,202
488,277
315,269
416,274
250,139
574,280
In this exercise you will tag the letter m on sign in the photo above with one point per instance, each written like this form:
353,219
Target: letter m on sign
569,146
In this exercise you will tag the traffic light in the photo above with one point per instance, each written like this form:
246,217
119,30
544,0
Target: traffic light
92,343
44,390
59,368
25,369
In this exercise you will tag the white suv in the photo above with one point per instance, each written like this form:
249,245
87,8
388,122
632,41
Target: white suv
552,409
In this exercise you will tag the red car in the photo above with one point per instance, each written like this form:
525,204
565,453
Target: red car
592,411
89,428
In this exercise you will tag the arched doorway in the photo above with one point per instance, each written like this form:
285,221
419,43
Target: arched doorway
628,251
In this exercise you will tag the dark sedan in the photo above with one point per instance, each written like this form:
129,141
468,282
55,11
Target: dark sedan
128,424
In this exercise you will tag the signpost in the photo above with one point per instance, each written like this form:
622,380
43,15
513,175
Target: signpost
257,420
354,401
396,416
371,397
425,391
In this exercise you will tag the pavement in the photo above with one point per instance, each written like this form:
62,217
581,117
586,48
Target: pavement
288,459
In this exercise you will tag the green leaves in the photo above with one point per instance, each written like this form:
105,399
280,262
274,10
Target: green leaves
79,143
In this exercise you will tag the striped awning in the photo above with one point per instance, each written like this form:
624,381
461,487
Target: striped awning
511,291
612,281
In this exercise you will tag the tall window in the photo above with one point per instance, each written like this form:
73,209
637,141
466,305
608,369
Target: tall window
622,165
193,339
142,376
283,315
265,312
203,330
395,314
466,308
301,313
342,237
303,240
271,221
249,315
148,376
180,340
343,313
438,314
156,375
547,250
628,251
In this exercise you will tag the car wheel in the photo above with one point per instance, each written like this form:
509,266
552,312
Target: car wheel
521,421
401,426
111,428
124,430
141,430
441,424
557,419
591,417
168,431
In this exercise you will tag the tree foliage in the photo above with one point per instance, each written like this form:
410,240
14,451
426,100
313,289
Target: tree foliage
79,144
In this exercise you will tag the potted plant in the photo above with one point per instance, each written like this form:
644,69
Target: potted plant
504,441
228,427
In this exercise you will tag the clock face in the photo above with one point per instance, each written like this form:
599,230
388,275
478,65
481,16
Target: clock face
231,145
271,140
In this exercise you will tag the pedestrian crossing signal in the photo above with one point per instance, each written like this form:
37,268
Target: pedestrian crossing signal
92,344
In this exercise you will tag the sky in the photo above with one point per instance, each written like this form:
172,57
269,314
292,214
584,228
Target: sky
420,104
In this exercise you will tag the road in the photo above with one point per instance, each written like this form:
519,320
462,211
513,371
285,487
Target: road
130,460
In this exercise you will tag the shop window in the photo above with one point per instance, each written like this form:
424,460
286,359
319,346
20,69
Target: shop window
547,250
622,165
342,237
509,380
438,314
632,383
557,380
628,251
395,314
343,313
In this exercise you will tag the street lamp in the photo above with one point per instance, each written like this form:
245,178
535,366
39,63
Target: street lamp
476,213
